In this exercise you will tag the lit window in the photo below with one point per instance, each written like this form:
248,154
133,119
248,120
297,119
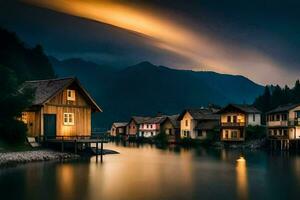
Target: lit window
71,95
68,118
24,117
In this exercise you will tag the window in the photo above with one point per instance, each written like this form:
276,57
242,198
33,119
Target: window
228,118
234,119
284,117
226,134
68,118
24,117
150,126
147,126
285,132
71,95
277,117
234,134
254,117
297,114
186,123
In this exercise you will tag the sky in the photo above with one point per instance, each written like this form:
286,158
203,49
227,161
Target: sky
257,39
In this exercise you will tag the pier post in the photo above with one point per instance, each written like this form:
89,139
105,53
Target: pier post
96,151
62,146
75,146
102,151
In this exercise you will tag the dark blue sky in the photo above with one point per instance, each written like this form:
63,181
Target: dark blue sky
258,39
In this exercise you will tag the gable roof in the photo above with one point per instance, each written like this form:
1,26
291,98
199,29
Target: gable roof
242,108
119,124
45,90
283,108
155,120
199,114
173,120
139,119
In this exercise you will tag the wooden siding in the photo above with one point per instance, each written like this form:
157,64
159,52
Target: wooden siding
33,122
82,120
168,128
61,99
59,105
132,128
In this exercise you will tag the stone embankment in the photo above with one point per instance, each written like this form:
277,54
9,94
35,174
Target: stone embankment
14,158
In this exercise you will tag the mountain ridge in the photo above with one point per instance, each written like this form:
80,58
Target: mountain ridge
145,89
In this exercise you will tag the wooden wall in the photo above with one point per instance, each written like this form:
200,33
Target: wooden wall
59,105
82,120
33,122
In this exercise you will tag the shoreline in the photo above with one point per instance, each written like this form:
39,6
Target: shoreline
11,159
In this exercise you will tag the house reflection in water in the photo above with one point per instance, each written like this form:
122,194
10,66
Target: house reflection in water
241,179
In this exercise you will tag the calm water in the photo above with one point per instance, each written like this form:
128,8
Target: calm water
146,172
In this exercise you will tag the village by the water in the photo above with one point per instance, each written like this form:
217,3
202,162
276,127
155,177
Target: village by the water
62,108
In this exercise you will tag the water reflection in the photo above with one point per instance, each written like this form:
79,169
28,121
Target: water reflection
147,172
241,179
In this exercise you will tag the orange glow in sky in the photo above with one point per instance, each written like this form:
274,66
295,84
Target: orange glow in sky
203,51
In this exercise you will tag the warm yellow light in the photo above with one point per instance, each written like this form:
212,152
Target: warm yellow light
241,159
242,178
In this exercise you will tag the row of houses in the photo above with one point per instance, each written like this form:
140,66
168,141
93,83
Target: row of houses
62,108
230,122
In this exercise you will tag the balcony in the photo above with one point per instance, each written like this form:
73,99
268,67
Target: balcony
277,123
283,123
233,124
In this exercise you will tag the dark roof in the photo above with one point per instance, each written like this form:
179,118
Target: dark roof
139,120
200,113
283,108
119,124
207,125
174,120
155,120
45,90
243,108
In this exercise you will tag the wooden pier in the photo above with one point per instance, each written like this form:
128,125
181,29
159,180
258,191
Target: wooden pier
78,143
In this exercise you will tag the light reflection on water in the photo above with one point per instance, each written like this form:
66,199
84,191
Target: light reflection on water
147,172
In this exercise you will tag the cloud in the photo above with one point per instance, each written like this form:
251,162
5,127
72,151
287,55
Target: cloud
202,50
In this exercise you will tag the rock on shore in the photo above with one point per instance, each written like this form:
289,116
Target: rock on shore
14,158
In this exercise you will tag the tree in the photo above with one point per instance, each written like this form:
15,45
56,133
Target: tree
12,103
296,93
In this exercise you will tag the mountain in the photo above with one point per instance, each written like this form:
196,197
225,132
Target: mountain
27,63
145,89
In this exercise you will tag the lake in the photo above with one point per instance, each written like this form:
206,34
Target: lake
146,172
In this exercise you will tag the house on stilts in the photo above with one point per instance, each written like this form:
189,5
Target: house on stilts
61,111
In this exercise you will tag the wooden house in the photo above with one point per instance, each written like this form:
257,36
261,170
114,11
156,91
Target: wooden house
234,120
118,129
151,127
134,125
171,127
61,107
196,123
284,122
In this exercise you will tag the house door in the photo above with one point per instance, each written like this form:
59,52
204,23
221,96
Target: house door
50,125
